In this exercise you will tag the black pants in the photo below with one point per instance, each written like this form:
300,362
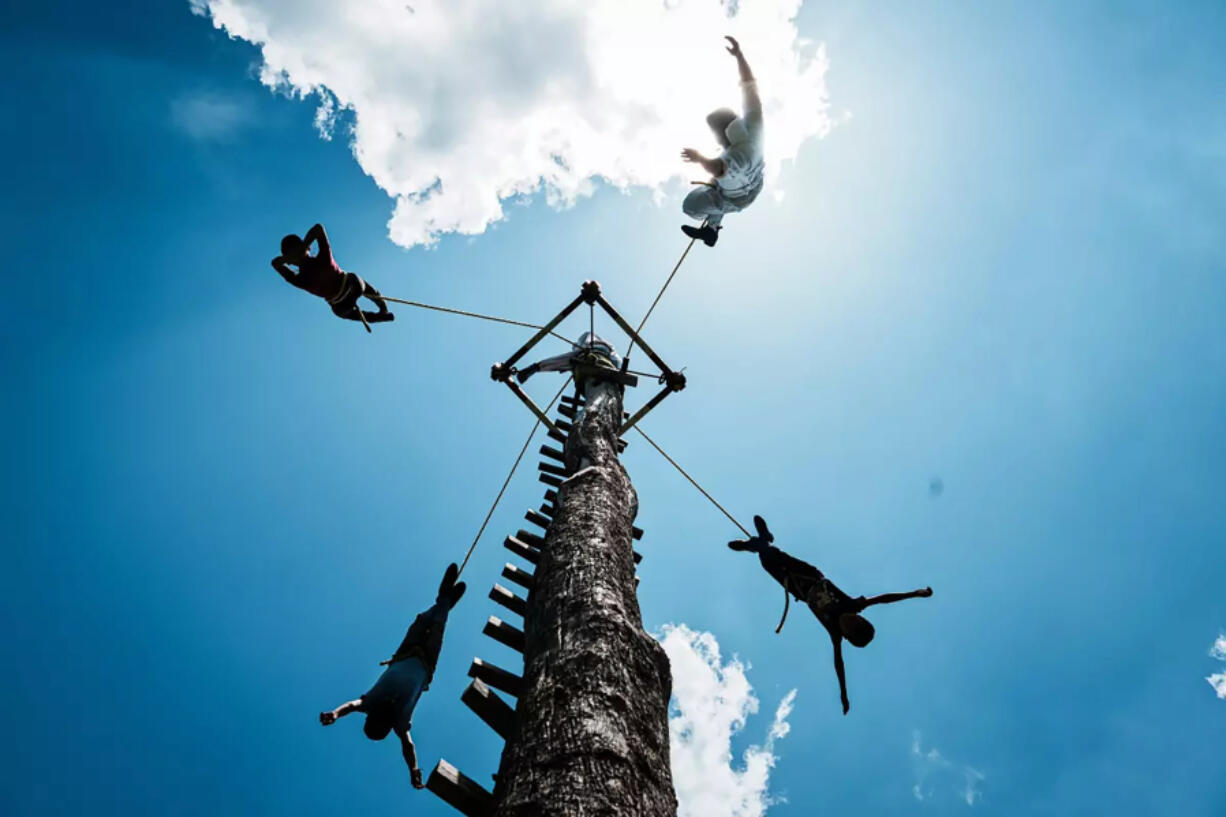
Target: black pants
347,305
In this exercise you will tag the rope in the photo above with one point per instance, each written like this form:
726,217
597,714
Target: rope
787,601
473,315
507,481
660,294
701,490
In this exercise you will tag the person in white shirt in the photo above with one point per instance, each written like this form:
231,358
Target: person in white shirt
736,174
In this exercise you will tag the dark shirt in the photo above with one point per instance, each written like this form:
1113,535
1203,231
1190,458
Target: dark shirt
806,583
425,637
319,275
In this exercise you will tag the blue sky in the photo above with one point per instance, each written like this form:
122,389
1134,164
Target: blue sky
1005,270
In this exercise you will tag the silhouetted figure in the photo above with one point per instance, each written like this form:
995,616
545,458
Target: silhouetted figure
736,174
390,702
319,275
838,612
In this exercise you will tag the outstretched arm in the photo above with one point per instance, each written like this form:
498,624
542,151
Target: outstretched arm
329,718
410,757
716,167
280,266
317,233
753,104
837,642
890,598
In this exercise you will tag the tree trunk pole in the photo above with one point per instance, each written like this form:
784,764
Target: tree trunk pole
593,717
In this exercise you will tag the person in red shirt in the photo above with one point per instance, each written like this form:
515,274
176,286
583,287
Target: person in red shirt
319,275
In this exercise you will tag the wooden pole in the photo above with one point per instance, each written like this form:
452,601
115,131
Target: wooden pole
592,721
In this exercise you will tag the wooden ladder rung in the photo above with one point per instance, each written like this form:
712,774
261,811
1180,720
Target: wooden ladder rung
636,533
490,708
459,791
521,550
530,538
572,400
564,426
521,577
552,453
567,411
558,435
551,496
537,518
548,510
550,480
496,677
504,633
516,604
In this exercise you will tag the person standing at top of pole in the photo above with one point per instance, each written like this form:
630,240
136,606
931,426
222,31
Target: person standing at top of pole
736,174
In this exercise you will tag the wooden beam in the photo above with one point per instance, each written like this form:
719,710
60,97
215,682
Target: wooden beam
521,577
638,557
636,532
537,518
563,426
567,411
585,371
625,327
527,401
521,550
529,538
557,434
509,600
490,708
504,633
551,496
544,330
552,453
547,509
550,480
459,791
556,470
641,413
572,400
496,677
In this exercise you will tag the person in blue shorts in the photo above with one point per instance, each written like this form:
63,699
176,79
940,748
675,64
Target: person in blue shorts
389,704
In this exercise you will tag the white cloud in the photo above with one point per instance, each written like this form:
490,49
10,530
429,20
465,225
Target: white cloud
459,105
712,702
209,117
1218,679
936,773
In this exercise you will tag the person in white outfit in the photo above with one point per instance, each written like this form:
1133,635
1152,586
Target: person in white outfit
736,174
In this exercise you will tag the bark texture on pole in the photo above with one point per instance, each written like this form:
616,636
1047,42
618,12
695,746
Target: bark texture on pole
593,717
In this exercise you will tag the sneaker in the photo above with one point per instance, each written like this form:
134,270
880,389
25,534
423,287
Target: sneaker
709,235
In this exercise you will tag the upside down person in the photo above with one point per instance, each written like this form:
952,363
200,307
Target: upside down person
319,275
390,702
736,174
838,612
